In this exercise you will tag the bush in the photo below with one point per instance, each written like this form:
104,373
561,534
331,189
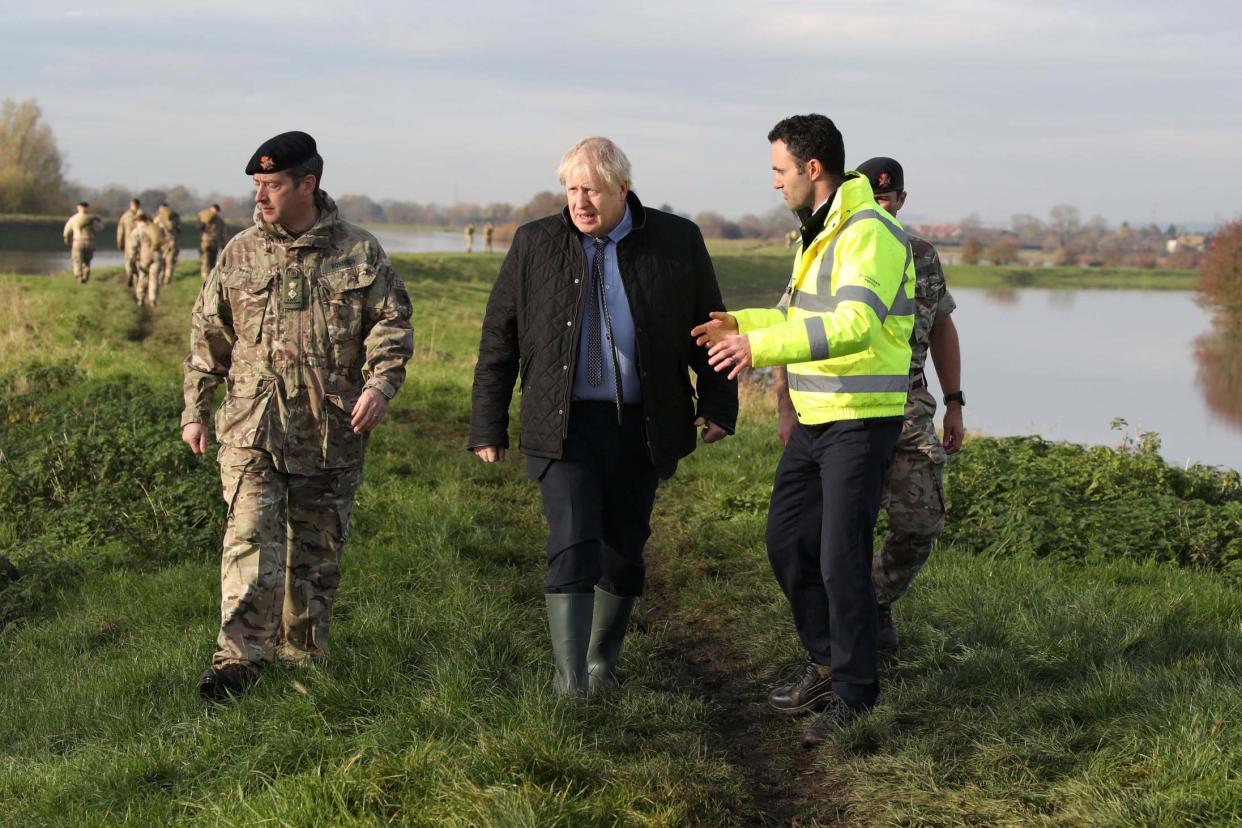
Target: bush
94,477
1028,495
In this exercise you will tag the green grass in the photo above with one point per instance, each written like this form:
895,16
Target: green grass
1056,668
1069,278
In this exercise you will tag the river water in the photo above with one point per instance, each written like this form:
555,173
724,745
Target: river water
1063,364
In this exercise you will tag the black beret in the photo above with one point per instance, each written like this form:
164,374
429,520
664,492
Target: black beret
885,175
286,151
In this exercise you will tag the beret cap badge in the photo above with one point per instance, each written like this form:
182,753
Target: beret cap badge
266,162
885,180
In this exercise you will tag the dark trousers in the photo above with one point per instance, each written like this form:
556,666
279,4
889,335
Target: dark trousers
824,504
597,500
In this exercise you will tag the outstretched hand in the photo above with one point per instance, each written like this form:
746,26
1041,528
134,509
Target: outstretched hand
719,326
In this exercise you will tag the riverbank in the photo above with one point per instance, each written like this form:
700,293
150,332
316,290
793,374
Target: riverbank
1070,653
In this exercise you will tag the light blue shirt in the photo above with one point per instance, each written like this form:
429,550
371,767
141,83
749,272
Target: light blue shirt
622,325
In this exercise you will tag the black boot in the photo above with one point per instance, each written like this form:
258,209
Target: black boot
569,622
835,717
887,638
608,621
219,683
813,686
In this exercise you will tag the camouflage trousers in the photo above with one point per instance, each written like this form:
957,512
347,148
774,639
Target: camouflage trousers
207,254
170,261
280,569
82,255
914,500
131,267
147,283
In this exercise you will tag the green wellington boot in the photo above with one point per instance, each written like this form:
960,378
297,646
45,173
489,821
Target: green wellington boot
569,622
607,632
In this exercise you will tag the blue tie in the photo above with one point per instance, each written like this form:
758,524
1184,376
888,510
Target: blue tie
598,319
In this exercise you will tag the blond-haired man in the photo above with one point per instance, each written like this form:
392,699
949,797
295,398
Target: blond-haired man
592,308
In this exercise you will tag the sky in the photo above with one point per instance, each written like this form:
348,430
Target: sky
1128,110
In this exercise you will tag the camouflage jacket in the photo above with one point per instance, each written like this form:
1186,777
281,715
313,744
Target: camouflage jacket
148,238
81,228
125,227
170,220
932,299
299,327
211,227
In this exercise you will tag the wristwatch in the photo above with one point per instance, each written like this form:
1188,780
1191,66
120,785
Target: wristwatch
956,397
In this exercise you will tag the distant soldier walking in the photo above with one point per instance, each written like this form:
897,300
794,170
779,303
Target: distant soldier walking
147,240
211,238
305,321
489,230
124,231
169,221
79,234
470,237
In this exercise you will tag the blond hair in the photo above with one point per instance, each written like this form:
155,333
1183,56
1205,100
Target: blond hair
600,156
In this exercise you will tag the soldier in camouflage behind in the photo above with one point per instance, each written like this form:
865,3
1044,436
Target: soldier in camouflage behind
309,325
470,237
79,234
489,230
169,221
147,241
914,493
124,231
914,490
211,238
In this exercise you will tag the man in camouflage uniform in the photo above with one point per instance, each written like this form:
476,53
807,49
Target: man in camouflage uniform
79,234
914,490
914,493
470,237
169,221
124,230
489,230
147,241
211,238
309,325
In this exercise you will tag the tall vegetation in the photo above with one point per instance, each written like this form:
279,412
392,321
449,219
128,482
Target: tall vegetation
1220,272
31,166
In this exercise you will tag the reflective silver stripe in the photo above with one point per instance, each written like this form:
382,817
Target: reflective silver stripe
819,337
859,384
823,302
858,293
784,309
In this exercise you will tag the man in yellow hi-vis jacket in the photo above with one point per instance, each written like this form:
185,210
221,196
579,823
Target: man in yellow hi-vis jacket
845,336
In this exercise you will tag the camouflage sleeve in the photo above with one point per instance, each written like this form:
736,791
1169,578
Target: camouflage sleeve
944,304
120,233
211,350
389,340
68,230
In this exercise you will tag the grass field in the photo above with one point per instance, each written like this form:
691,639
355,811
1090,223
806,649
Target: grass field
1072,653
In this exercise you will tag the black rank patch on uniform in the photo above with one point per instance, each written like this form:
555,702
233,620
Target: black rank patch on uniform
293,294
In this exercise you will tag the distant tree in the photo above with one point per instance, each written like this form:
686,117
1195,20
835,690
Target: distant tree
1220,272
1002,251
1028,228
1171,232
972,250
716,226
1064,221
971,226
360,208
542,204
31,166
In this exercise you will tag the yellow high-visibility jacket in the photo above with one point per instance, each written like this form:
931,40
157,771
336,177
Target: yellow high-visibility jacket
846,332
